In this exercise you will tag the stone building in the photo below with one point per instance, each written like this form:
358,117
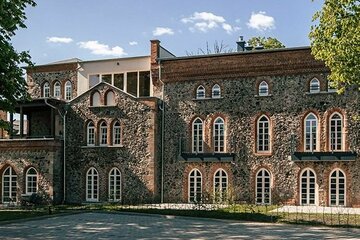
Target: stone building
259,126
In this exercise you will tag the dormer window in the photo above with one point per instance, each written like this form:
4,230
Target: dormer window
314,86
263,89
216,91
57,90
200,92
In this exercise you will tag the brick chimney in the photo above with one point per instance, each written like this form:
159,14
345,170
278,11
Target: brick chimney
154,66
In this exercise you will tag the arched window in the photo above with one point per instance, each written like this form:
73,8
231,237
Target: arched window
68,90
200,92
310,130
95,99
216,91
219,135
110,98
9,185
220,185
263,134
117,133
103,133
308,188
314,85
92,185
263,89
336,133
195,186
46,89
57,89
197,136
90,134
263,188
115,185
337,188
31,181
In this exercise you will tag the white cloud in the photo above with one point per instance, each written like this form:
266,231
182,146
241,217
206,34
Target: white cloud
162,31
132,43
205,21
102,49
59,40
260,21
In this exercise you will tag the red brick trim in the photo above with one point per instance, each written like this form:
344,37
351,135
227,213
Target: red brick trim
256,119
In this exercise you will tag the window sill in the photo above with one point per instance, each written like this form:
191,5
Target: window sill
264,154
105,146
201,99
321,92
102,106
263,96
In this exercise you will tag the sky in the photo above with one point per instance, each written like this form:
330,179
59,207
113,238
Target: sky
94,29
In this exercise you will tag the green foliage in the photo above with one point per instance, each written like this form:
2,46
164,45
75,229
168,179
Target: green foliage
12,84
335,39
267,43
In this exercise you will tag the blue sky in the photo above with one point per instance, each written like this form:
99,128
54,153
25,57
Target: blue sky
93,29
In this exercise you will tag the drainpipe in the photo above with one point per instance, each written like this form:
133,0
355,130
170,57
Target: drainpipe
162,108
63,116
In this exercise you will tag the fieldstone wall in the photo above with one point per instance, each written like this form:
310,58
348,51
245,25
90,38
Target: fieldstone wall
137,158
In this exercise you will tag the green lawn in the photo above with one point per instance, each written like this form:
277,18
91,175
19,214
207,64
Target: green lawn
6,215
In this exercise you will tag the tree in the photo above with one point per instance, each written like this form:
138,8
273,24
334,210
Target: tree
267,43
335,40
217,48
12,84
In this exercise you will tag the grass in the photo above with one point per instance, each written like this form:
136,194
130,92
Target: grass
7,215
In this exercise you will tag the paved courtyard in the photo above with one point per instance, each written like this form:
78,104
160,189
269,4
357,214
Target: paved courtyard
139,226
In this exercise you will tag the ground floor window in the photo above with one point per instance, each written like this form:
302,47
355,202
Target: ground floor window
115,185
31,181
308,187
220,185
337,188
263,189
92,185
9,185
195,186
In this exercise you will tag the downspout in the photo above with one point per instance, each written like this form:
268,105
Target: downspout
162,108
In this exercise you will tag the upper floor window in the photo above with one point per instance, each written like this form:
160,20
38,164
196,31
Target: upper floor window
31,181
93,80
90,134
68,90
310,132
197,136
57,89
200,92
219,136
331,88
314,85
336,133
263,89
263,134
117,133
103,133
110,98
95,99
216,91
46,89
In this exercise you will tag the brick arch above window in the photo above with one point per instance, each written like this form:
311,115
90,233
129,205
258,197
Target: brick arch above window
263,134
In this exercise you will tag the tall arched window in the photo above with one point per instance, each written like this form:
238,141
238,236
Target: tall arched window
57,89
95,99
197,136
308,188
195,186
92,185
263,188
219,135
116,133
216,91
90,134
263,89
31,181
9,185
110,98
314,85
220,185
335,132
103,133
263,134
337,188
310,130
115,185
68,90
46,89
200,92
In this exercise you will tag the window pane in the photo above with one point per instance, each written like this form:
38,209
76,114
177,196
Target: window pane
93,80
132,83
106,78
119,81
144,83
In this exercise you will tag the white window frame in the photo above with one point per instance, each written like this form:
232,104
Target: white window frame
219,135
337,189
307,180
90,134
197,140
92,185
339,138
57,89
46,89
12,192
314,82
117,133
114,185
263,89
103,133
216,91
220,185
311,134
31,181
68,90
262,126
200,92
196,191
265,191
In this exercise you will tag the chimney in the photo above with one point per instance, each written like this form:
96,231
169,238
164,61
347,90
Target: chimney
241,44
